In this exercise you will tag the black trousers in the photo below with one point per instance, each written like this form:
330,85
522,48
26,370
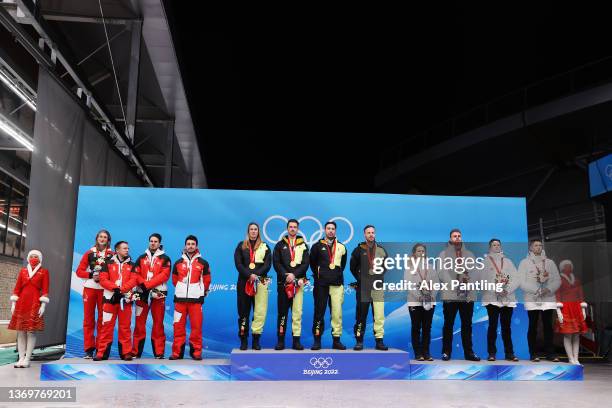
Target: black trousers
245,304
503,315
466,310
547,329
421,329
283,305
362,306
322,298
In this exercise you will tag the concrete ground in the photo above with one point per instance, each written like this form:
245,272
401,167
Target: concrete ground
594,391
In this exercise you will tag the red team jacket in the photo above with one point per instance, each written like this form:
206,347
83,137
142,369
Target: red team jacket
89,261
153,271
191,278
120,275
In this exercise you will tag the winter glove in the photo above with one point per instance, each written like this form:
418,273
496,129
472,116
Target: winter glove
145,292
116,296
559,313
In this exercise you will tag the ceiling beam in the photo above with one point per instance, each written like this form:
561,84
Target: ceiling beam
59,52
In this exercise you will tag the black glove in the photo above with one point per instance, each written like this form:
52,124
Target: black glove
116,298
144,296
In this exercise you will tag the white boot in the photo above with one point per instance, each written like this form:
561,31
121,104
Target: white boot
569,350
21,348
576,347
29,349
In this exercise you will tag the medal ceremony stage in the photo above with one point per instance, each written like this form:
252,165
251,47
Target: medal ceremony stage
290,365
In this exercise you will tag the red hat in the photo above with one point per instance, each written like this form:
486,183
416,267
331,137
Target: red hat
290,290
250,288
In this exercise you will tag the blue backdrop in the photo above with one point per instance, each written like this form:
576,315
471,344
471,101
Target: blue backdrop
219,219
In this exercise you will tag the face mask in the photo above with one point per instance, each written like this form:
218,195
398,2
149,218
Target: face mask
34,262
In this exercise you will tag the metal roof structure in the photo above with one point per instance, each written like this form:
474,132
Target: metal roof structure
118,57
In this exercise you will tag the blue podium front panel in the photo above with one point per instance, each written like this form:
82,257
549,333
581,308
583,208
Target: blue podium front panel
540,372
89,371
145,369
453,371
269,365
179,372
273,365
495,371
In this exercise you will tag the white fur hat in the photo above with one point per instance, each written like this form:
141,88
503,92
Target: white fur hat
35,252
566,262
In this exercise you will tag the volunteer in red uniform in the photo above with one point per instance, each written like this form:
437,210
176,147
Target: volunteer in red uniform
191,279
89,269
28,302
571,311
118,278
153,268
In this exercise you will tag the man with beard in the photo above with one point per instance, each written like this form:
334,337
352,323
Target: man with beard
361,265
153,268
290,263
327,261
457,300
191,279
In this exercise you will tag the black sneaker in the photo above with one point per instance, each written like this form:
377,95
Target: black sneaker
427,357
173,357
358,345
445,357
296,343
317,343
337,345
255,343
472,357
280,344
420,358
89,354
160,357
512,357
534,359
491,357
380,345
127,357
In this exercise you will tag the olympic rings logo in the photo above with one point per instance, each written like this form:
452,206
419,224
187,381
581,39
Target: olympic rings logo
321,362
317,234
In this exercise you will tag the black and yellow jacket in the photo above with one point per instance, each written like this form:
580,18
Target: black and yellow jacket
360,265
319,264
242,259
282,259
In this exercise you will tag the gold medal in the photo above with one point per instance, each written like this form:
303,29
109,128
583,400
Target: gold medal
252,265
332,266
293,264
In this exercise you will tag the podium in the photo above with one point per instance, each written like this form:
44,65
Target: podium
326,364
307,365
